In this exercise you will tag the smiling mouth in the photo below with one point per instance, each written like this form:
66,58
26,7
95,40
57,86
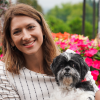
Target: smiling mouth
27,44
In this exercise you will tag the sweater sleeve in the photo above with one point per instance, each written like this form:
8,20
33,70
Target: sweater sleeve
7,91
89,77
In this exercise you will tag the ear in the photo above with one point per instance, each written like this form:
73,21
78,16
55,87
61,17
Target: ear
52,66
55,63
84,69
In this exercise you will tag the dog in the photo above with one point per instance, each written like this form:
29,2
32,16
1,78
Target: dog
69,70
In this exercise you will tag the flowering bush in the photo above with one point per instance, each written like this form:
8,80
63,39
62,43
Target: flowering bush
88,49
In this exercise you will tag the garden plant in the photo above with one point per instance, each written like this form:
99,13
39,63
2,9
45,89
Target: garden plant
88,49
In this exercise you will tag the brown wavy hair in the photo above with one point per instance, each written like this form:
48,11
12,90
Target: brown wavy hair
14,59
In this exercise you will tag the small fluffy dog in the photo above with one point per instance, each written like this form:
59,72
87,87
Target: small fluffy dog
70,70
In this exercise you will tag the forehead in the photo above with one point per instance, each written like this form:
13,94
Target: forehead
21,20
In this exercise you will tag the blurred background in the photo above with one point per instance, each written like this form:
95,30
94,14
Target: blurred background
72,16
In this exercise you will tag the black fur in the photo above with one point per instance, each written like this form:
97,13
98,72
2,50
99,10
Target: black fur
62,61
85,85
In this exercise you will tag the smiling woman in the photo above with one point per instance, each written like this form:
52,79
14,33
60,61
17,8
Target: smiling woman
25,72
26,55
24,28
26,35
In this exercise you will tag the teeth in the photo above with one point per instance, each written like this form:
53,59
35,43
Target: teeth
29,43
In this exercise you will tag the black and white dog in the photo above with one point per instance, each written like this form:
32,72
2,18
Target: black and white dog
70,70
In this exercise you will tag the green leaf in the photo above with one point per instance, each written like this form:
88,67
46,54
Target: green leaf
0,51
1,1
97,55
98,77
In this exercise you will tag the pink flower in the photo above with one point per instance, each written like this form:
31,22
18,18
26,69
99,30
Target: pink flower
96,64
99,45
72,40
1,56
89,61
73,47
91,52
95,74
99,82
58,42
63,45
78,52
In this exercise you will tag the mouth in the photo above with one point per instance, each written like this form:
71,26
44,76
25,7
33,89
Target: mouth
67,74
29,44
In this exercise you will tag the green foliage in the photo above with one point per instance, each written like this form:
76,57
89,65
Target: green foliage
57,25
0,50
69,11
68,17
61,12
97,55
33,3
3,1
76,26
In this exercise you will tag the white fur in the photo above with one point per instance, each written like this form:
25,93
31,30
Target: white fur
74,94
70,51
66,53
67,92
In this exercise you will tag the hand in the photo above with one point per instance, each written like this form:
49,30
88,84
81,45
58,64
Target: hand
97,95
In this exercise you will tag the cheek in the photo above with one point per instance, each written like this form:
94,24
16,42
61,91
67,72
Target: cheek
40,38
16,41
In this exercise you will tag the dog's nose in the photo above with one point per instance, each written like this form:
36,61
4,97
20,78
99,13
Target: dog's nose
67,69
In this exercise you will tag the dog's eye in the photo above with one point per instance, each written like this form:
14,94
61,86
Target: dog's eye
75,65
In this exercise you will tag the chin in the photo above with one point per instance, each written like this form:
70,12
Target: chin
70,70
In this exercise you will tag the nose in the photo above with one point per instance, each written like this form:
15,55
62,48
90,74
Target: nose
67,69
26,35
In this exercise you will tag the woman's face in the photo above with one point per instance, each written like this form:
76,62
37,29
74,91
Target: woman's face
26,34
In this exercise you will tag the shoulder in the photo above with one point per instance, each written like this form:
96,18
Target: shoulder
2,68
3,73
1,63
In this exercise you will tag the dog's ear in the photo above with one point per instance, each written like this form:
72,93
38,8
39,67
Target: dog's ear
52,66
84,69
55,66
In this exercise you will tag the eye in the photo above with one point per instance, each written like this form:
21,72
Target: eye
18,31
30,27
74,65
62,65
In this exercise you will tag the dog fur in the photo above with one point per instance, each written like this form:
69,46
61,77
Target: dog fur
69,70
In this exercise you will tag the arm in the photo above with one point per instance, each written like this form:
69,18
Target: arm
7,91
89,77
97,95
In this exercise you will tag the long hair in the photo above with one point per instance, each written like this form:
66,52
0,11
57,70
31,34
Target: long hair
13,58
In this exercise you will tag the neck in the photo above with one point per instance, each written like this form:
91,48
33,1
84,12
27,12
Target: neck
35,62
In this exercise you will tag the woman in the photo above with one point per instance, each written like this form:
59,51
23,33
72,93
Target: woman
28,50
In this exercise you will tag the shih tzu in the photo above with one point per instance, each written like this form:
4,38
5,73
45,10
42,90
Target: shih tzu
70,70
